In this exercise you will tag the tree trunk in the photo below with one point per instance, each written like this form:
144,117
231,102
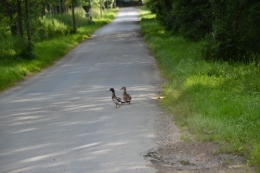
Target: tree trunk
13,26
28,22
100,8
73,17
19,19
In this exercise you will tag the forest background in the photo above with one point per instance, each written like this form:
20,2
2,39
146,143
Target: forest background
207,49
24,22
33,33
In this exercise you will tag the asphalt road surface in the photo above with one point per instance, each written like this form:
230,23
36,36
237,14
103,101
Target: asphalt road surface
63,119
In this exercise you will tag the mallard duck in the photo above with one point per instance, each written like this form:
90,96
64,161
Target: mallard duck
118,101
126,97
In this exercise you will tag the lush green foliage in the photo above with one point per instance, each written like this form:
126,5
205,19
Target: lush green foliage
216,101
42,29
23,23
58,25
229,28
14,69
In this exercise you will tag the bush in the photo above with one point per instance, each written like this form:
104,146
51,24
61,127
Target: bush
230,29
235,33
58,25
191,18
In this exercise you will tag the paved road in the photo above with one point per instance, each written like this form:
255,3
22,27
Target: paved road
63,119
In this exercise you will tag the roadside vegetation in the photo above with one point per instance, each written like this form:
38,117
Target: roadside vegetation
214,99
52,36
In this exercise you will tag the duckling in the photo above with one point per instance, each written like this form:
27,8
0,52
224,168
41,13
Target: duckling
118,101
126,97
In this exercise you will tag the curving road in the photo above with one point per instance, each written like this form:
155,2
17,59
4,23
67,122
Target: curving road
63,119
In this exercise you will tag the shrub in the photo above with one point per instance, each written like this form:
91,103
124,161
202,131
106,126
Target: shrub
230,29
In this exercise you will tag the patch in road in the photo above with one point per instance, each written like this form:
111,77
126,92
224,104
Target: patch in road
176,156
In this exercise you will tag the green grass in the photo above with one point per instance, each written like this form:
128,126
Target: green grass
13,69
215,101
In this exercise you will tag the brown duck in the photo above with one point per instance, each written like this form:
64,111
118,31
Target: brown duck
126,97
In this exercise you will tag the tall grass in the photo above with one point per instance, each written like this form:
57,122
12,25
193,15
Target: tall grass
60,25
14,69
215,101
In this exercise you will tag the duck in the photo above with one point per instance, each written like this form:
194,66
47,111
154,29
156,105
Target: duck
117,100
126,97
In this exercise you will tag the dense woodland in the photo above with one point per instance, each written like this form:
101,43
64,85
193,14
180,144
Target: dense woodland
230,29
24,22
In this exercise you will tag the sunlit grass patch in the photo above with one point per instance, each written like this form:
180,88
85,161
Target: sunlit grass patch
255,154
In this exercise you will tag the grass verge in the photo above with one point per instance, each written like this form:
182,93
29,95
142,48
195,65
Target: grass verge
13,70
215,101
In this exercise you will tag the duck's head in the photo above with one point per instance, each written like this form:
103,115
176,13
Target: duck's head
123,88
112,89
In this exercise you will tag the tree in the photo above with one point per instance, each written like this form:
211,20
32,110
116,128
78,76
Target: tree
235,30
229,28
8,9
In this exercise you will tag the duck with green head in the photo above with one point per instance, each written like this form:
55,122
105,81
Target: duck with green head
116,100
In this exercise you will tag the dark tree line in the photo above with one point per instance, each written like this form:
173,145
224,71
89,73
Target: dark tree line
20,20
13,13
230,29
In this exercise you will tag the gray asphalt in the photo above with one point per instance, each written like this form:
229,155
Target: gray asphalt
63,119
